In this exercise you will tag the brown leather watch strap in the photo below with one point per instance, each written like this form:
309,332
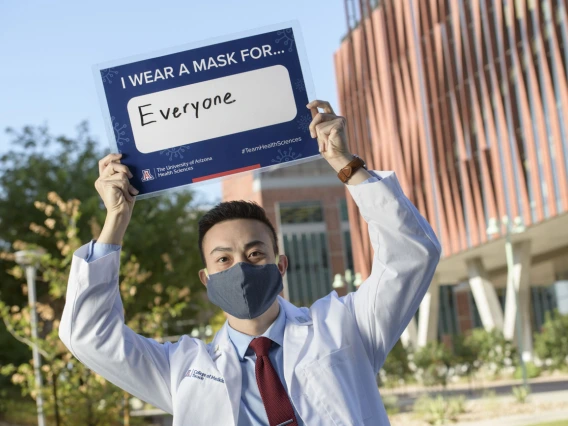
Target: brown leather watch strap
349,170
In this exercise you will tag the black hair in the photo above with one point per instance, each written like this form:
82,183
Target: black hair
230,210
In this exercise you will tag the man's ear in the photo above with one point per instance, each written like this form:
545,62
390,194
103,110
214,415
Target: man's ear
203,276
282,263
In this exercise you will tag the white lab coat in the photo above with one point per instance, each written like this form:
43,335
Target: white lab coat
332,350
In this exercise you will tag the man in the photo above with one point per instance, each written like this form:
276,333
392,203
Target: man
272,363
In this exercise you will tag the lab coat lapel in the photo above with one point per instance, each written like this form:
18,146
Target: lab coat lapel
225,357
295,337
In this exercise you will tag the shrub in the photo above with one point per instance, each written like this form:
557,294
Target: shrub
521,393
456,405
391,404
396,368
532,371
439,411
494,350
552,342
466,356
433,362
490,402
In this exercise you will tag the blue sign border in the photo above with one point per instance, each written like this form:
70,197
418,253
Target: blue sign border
227,152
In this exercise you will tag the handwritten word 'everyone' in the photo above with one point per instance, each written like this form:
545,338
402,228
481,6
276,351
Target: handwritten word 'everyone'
177,112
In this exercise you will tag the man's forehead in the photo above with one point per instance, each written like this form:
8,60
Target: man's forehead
237,232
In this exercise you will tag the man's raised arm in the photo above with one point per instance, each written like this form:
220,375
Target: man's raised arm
92,325
406,253
406,250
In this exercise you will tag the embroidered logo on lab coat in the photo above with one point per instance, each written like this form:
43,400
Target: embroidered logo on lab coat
193,373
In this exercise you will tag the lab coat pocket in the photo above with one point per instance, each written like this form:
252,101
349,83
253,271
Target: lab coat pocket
334,383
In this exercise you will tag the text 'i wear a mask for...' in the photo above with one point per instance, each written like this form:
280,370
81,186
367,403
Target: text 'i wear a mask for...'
245,291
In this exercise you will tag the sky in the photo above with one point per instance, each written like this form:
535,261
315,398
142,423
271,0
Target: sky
47,50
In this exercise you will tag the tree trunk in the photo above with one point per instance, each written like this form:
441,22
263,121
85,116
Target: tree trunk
126,409
90,420
55,401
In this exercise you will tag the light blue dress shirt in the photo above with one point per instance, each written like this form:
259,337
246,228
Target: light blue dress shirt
252,412
98,250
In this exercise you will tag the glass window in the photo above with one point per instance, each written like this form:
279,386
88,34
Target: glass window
309,273
348,251
447,320
343,213
307,212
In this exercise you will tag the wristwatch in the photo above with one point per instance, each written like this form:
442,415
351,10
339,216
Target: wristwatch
349,170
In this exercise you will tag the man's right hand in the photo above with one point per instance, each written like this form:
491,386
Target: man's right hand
118,197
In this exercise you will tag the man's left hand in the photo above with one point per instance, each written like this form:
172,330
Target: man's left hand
330,131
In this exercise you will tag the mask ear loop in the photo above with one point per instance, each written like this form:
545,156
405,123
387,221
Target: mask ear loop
276,262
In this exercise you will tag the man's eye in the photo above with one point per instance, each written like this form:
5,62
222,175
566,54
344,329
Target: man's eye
255,254
222,259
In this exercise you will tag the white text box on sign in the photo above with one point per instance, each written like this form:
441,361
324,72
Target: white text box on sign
211,109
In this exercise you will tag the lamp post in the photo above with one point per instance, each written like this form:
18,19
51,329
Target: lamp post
28,259
512,228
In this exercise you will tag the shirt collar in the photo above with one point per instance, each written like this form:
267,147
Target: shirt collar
275,333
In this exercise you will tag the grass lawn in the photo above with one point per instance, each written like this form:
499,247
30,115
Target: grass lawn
557,423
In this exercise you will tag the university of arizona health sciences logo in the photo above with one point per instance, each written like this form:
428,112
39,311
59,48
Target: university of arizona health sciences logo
146,175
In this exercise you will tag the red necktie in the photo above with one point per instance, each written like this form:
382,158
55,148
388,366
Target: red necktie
276,402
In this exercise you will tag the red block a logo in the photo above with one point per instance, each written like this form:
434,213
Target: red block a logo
146,175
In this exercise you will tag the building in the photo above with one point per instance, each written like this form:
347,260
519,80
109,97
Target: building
468,102
307,203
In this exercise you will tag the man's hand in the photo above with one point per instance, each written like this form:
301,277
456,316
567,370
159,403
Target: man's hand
332,140
118,197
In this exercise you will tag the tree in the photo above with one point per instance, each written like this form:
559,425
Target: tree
162,235
163,230
73,394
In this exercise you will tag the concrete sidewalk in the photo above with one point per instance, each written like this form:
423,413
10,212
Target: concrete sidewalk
522,419
540,388
528,419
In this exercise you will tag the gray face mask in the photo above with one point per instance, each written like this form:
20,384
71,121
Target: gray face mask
245,291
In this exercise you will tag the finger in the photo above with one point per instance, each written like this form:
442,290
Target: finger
132,190
323,130
320,138
321,144
106,160
320,118
327,130
325,105
118,176
314,112
108,171
113,168
123,186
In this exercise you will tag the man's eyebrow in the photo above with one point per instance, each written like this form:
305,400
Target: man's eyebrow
247,246
221,249
254,243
